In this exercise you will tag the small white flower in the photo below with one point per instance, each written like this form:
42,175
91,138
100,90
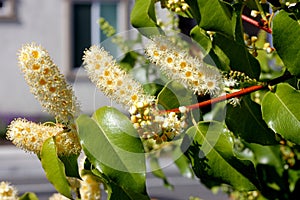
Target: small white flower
234,101
230,82
182,109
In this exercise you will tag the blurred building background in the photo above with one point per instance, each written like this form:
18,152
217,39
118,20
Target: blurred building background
65,28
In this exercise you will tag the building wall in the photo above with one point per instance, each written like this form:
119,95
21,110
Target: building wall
46,23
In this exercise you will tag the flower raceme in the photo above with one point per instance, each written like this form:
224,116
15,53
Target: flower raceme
30,137
114,82
178,65
47,83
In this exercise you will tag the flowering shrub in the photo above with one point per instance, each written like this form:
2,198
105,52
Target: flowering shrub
248,146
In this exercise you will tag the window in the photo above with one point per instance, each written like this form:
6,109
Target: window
85,29
7,9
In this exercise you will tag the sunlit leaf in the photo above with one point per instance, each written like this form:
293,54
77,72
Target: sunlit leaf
143,17
213,15
113,146
54,168
281,111
286,38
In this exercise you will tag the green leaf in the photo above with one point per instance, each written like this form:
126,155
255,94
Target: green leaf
213,15
113,146
115,191
28,196
286,38
205,42
54,168
213,161
143,17
238,55
267,155
199,35
129,60
280,109
246,122
71,165
153,89
174,95
194,7
237,25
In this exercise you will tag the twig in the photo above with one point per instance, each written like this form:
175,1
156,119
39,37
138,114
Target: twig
239,93
256,23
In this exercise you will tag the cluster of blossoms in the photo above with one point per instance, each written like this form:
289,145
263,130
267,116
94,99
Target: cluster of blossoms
179,65
175,5
150,123
30,137
49,87
115,83
47,83
7,191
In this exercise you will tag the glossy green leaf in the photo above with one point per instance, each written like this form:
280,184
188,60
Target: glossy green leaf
113,146
114,190
71,165
238,55
227,53
213,15
200,36
286,38
281,111
28,196
245,121
54,168
143,17
213,161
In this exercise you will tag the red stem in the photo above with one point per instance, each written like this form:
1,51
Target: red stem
239,93
256,23
221,98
